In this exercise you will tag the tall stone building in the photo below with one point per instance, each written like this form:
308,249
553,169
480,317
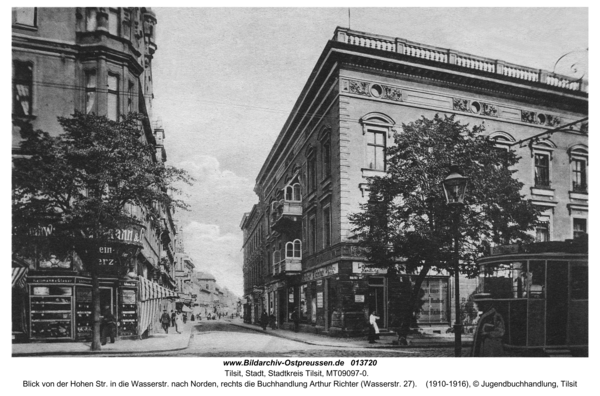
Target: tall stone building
297,247
90,60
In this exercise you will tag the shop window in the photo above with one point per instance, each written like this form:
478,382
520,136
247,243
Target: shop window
90,91
579,228
22,88
25,16
579,282
542,170
113,97
303,303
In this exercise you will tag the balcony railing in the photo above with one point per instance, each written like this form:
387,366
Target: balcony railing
285,213
444,55
291,262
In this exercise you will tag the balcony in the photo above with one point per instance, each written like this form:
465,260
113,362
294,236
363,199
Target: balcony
286,213
291,263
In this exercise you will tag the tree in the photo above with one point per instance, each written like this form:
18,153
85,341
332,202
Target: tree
407,227
87,185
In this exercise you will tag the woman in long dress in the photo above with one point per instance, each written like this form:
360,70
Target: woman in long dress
373,328
179,322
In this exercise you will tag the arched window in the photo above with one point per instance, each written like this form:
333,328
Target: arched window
377,129
293,249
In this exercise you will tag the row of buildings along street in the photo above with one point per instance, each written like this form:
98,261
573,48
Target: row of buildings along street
98,60
311,263
299,254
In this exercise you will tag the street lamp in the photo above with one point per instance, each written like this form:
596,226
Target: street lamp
455,186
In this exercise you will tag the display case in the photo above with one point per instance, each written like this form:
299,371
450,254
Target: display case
83,313
51,312
128,313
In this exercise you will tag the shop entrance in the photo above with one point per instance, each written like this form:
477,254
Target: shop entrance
377,300
282,309
106,299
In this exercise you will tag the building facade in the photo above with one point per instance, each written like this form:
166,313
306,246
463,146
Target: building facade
90,60
298,251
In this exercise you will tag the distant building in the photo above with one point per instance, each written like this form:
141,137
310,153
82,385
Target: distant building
297,247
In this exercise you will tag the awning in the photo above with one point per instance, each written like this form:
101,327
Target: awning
185,308
19,277
150,290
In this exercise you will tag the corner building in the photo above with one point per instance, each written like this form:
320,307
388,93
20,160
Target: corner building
92,60
298,251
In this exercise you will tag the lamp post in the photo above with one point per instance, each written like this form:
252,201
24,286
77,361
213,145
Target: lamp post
455,186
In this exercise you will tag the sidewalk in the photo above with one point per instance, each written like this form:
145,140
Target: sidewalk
414,341
154,343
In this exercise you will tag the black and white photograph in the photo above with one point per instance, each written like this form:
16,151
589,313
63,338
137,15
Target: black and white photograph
326,183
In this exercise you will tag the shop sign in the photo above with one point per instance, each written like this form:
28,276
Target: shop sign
320,300
360,267
128,284
52,280
359,298
83,281
320,273
319,282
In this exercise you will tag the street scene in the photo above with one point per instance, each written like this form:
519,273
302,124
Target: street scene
300,182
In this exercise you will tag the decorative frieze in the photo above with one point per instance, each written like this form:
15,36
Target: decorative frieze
531,117
475,107
372,90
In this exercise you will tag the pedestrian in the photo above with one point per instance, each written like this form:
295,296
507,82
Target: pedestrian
179,322
272,321
296,319
165,320
108,327
184,317
373,328
264,320
192,318
173,318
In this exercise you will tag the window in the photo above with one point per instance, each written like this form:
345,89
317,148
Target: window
312,172
25,16
90,91
542,170
113,22
579,175
130,91
326,160
22,88
91,22
327,226
113,97
376,149
579,282
579,228
542,232
312,234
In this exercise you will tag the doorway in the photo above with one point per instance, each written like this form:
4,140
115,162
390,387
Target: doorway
377,301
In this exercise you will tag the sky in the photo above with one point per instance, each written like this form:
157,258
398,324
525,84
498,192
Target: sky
225,81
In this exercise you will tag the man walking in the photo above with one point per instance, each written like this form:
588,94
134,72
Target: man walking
165,320
296,319
173,316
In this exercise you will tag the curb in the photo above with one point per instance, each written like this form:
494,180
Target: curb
101,353
444,344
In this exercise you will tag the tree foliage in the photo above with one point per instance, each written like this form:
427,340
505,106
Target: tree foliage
85,180
407,226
